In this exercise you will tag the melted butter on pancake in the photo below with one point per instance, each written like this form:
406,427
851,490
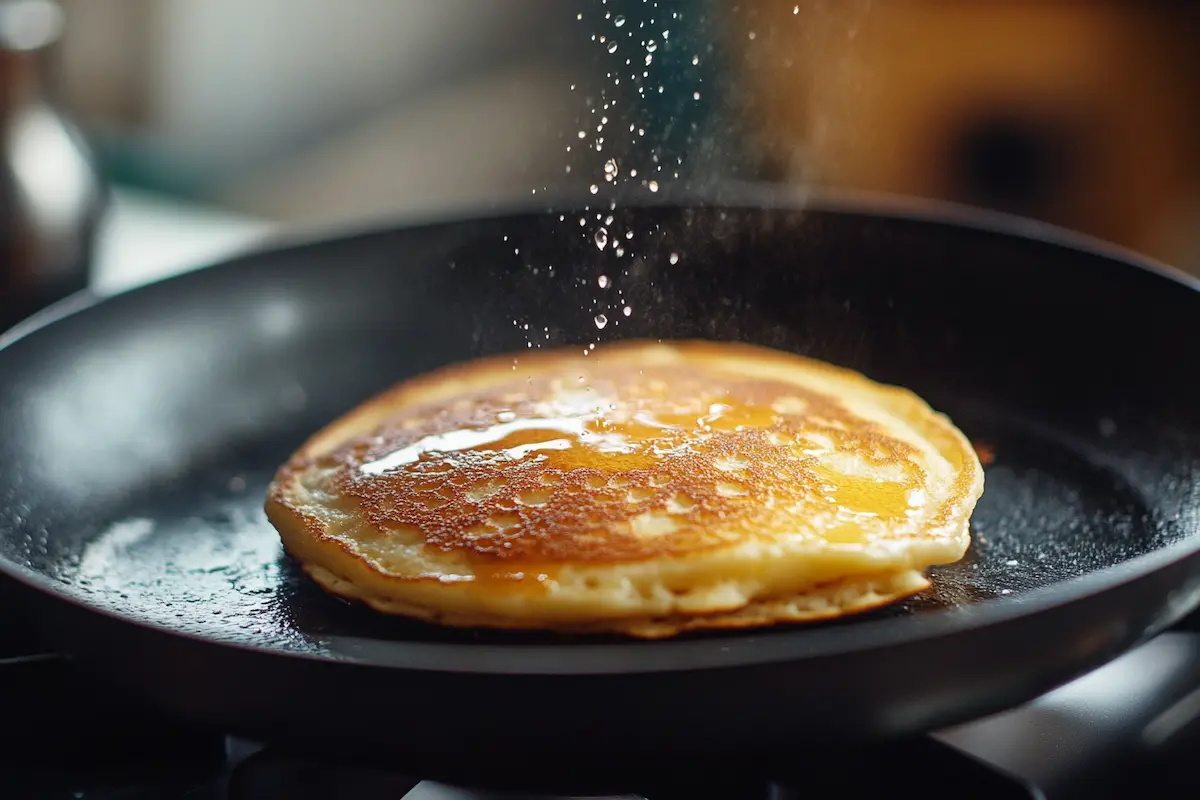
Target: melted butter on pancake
668,479
616,469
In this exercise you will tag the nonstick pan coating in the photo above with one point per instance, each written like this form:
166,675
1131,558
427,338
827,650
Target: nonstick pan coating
139,434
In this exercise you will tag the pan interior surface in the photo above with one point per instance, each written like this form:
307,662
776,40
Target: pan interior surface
140,434
212,566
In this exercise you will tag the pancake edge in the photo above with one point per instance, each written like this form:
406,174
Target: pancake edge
830,601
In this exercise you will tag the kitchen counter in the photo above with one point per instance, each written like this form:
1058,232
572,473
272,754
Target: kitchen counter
149,236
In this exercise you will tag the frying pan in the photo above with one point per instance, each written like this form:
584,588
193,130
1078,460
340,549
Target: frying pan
138,433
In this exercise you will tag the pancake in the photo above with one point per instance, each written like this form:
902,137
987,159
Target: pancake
645,489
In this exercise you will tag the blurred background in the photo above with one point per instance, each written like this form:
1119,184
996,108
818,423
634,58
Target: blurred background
218,121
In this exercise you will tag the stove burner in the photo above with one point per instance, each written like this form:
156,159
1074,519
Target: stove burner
273,774
1128,728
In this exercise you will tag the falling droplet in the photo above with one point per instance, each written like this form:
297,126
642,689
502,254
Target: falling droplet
593,188
601,238
796,10
628,234
582,134
651,46
653,186
695,60
600,321
695,95
619,21
674,259
612,47
603,281
610,169
627,311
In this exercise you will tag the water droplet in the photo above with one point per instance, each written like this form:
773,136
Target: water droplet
600,321
627,311
695,95
601,238
610,169
695,60
752,35
607,220
612,47
603,281
619,21
652,186
651,46
628,234
593,188
796,10
674,259
582,134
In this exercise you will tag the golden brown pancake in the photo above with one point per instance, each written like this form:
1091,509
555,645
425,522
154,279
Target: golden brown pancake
645,488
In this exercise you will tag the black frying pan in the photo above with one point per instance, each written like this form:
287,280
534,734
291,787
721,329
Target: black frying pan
139,433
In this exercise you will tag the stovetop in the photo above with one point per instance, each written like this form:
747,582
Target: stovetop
1131,728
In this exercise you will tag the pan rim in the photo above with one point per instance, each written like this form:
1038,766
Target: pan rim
752,648
728,194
